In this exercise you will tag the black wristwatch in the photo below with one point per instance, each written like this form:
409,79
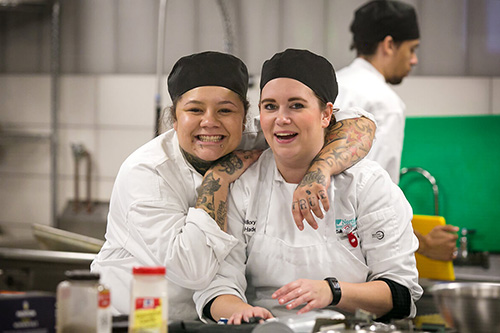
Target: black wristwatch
335,287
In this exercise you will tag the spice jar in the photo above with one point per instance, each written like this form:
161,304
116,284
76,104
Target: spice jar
83,304
149,303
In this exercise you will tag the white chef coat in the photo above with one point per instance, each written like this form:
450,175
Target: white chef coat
273,252
152,222
362,85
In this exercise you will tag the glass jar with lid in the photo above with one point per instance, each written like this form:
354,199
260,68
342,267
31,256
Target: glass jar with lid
83,304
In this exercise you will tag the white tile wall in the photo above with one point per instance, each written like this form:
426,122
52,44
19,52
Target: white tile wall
78,100
124,100
25,99
24,199
495,95
25,158
112,115
445,96
115,145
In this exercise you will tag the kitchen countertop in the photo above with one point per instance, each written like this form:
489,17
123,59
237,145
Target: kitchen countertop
477,273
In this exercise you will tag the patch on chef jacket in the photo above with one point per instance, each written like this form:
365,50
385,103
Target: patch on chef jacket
345,227
249,226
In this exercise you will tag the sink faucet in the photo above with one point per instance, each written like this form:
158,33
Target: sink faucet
465,257
463,251
431,180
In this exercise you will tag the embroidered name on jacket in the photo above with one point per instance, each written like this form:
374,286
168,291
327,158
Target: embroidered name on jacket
249,226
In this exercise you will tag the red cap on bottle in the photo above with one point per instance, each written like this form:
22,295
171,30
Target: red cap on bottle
156,270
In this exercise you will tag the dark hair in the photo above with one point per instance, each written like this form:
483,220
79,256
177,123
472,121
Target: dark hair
368,48
322,105
375,20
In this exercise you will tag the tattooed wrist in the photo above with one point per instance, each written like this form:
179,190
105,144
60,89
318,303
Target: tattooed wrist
221,215
230,164
313,177
206,191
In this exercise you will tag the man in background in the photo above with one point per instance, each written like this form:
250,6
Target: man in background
385,37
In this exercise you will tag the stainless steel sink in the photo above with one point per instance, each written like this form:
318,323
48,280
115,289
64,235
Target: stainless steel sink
32,263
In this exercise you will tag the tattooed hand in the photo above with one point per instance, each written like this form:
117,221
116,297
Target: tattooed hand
346,143
309,193
212,193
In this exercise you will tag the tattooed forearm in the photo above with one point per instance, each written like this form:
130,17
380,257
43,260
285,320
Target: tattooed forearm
222,215
346,143
212,194
206,194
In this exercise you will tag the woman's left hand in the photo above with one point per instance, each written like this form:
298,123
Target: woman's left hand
248,313
307,197
316,293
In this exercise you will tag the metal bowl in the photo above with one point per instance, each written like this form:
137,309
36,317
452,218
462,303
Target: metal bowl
469,306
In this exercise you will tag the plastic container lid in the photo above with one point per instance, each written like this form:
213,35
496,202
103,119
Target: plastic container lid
157,270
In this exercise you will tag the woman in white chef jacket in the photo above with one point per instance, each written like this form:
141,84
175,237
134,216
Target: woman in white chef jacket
362,253
156,215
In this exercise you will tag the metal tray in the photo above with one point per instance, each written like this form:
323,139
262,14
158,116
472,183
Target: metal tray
55,239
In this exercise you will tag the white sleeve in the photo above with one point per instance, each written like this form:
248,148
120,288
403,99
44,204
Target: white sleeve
230,279
386,233
353,112
252,137
388,147
151,229
191,246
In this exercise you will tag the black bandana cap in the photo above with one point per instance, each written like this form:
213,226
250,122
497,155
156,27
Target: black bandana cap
380,18
208,68
302,65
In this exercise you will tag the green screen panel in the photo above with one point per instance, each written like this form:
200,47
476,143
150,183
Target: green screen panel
463,154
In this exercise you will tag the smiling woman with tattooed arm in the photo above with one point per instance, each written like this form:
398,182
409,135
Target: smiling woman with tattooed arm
340,263
164,190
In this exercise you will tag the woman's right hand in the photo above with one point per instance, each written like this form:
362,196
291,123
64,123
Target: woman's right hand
232,166
250,312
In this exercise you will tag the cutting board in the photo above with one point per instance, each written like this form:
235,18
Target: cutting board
429,268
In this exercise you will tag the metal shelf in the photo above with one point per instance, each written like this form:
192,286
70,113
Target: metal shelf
17,136
52,8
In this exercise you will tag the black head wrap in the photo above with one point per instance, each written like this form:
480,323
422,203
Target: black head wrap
380,18
208,69
312,70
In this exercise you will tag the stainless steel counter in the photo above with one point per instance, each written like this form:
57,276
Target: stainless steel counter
477,273
32,269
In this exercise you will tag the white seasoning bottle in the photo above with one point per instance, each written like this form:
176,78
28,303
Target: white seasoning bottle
148,303
83,304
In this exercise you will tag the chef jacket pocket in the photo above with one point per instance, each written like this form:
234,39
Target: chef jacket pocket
347,245
379,234
349,262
